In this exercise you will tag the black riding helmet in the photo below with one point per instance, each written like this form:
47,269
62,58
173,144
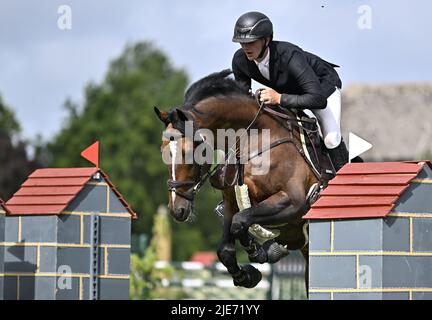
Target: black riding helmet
252,26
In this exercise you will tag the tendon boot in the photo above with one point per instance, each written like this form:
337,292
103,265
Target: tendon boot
256,252
339,155
275,251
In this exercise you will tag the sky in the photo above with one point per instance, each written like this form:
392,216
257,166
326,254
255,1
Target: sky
41,65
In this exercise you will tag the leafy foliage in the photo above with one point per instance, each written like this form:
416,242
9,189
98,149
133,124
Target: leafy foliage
14,163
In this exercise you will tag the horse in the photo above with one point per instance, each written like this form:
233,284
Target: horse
278,197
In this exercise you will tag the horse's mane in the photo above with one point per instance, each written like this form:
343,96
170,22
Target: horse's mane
215,84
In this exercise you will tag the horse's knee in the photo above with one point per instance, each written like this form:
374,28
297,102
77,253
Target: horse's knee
332,139
226,252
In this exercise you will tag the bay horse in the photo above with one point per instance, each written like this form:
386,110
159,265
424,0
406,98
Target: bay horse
278,197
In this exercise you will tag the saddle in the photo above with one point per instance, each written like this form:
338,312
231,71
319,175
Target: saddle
303,131
312,145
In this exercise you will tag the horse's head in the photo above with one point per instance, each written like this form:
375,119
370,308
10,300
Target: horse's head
186,174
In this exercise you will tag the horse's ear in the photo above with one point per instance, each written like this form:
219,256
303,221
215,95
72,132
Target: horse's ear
162,115
181,115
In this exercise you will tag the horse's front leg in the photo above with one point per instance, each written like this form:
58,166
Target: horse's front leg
245,276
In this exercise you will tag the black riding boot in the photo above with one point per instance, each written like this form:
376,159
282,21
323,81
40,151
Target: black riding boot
339,155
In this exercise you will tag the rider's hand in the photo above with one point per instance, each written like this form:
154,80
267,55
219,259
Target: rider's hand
270,96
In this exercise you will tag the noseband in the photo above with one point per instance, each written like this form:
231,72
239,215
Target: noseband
194,186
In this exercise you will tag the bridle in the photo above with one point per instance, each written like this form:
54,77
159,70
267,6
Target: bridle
194,185
205,172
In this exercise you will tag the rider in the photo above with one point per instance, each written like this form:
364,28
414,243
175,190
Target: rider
295,79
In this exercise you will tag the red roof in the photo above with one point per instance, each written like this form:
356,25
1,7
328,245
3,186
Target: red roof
50,190
3,206
205,257
364,190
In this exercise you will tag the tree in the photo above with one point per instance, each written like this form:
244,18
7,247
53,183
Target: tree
14,163
119,113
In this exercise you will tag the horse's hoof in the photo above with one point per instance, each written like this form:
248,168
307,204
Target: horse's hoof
249,277
275,251
258,256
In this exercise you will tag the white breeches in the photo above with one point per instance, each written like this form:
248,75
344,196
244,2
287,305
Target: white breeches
329,120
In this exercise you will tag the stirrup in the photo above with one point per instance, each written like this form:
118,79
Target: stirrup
220,209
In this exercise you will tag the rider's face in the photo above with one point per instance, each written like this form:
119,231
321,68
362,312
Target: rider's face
253,49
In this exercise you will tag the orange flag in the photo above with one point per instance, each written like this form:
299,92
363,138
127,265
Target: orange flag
92,154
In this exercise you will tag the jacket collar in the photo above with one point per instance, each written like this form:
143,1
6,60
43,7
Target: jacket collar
273,67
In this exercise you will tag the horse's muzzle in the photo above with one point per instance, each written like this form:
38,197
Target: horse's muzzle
181,213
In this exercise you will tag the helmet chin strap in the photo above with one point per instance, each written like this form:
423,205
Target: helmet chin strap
264,48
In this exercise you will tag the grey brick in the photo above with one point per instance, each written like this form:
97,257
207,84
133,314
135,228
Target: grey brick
86,289
78,259
11,229
358,235
407,271
422,295
45,288
332,271
38,228
1,287
319,235
415,199
101,253
2,227
113,289
115,206
87,222
10,288
422,234
2,258
48,259
115,230
71,293
398,271
396,234
395,295
27,288
69,229
20,259
90,199
118,261
319,296
371,296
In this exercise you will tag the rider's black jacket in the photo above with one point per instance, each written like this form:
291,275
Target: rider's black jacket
304,79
